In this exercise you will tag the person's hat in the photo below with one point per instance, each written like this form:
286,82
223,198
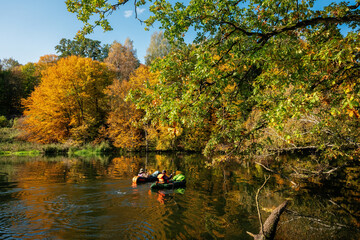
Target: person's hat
163,171
141,170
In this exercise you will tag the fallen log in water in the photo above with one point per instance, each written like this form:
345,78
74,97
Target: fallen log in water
268,230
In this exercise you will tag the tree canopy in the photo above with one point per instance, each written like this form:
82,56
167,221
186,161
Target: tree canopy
123,58
69,103
269,74
8,64
83,47
159,47
17,82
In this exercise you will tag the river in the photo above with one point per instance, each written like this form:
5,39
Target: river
94,198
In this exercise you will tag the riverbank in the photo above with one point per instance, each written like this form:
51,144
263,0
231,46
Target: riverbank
10,145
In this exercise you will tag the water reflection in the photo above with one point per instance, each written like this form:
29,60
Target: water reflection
75,198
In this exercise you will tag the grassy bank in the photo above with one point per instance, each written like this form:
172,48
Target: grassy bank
11,145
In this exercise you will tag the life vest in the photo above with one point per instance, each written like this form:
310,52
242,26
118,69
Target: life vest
135,179
180,177
161,178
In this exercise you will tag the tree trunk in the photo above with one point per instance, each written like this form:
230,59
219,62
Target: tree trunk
269,228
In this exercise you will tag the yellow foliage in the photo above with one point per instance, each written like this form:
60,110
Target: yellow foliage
125,128
69,102
45,62
163,137
143,76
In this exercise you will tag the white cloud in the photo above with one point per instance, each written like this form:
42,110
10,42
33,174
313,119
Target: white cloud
128,13
140,10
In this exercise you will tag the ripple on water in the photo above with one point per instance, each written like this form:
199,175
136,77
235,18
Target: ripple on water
101,211
140,230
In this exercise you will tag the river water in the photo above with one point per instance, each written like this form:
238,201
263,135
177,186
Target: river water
94,198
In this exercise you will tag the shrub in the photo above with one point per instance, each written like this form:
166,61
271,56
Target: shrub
3,121
54,149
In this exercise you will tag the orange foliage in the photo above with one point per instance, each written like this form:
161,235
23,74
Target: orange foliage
125,128
45,62
352,112
123,59
69,102
123,118
143,76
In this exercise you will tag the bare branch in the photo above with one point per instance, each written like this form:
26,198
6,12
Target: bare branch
136,14
264,37
270,224
355,6
257,203
270,170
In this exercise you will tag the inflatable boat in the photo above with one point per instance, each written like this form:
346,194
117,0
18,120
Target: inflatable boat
138,179
170,185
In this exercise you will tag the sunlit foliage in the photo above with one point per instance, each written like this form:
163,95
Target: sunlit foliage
69,103
125,127
271,75
159,47
123,58
45,62
83,47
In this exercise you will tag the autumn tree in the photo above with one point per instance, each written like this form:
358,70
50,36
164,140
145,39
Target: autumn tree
159,47
258,67
123,59
165,130
125,126
267,71
69,103
156,135
83,47
8,64
45,62
123,120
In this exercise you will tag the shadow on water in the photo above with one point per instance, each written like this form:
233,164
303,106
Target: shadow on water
94,198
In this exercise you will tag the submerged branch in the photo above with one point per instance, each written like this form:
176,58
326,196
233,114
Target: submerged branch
257,203
305,173
344,209
270,170
319,221
269,228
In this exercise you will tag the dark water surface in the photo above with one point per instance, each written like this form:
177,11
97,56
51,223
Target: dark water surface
74,198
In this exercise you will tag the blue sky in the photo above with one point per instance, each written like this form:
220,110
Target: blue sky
32,28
